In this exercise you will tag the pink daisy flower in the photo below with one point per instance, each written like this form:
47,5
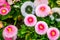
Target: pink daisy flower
5,9
38,2
10,32
42,10
30,20
41,27
53,33
2,2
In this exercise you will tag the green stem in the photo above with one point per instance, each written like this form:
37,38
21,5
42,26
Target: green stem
15,21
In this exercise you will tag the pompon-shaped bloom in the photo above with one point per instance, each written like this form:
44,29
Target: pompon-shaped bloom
2,2
10,32
42,10
30,20
5,9
41,27
38,2
53,33
24,6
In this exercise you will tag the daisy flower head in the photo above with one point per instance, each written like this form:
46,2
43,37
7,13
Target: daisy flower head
41,27
53,33
23,8
38,2
42,10
10,31
30,20
2,2
5,9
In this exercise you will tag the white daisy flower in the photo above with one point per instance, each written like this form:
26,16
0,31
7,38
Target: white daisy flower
23,7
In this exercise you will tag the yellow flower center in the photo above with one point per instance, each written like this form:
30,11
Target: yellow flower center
9,29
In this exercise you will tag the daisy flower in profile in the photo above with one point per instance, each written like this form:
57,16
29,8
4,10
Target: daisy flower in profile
38,2
5,9
53,33
2,2
42,10
10,32
30,20
1,25
41,27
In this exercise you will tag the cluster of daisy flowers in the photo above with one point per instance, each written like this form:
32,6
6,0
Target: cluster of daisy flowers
41,9
41,27
4,7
